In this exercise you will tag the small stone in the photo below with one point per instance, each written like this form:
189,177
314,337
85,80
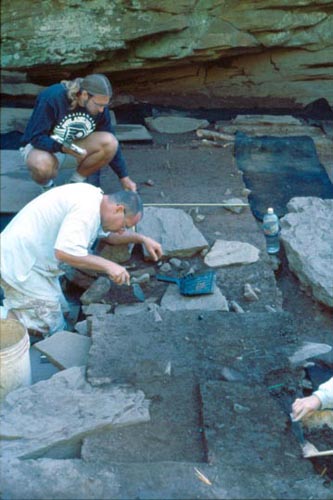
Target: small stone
96,309
234,306
241,409
232,375
233,205
144,278
186,265
306,384
177,263
191,270
82,327
166,267
199,218
150,270
149,182
249,294
167,370
154,309
157,316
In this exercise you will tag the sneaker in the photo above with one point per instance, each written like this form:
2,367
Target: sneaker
75,177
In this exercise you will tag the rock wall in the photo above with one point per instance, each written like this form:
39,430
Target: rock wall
209,53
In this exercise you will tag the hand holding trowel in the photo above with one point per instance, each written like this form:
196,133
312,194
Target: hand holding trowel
121,276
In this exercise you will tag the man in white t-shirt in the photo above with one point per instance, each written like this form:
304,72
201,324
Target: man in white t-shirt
60,226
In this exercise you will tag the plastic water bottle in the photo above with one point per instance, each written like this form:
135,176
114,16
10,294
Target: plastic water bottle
271,229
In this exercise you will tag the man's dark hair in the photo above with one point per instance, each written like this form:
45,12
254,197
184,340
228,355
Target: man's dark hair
132,202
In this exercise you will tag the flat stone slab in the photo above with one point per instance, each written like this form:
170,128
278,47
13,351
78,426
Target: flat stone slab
174,124
132,133
15,178
96,309
172,300
14,119
228,253
266,120
65,349
309,350
51,417
19,89
174,229
14,173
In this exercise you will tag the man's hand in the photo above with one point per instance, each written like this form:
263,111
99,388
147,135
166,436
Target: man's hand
128,184
118,274
305,406
153,248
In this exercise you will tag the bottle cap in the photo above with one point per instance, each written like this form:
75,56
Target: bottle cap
270,210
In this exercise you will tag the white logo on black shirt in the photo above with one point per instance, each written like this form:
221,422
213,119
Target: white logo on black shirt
75,125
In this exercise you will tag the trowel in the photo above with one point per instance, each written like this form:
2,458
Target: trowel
138,292
310,451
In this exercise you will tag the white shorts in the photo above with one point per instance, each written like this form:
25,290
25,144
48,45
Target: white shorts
26,150
45,316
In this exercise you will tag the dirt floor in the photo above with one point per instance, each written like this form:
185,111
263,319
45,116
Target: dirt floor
177,169
239,432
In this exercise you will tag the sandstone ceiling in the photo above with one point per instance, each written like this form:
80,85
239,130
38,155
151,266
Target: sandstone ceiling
204,52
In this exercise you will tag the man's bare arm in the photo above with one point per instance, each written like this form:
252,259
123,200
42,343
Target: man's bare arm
153,247
114,271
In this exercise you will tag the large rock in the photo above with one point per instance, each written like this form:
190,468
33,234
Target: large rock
50,418
307,235
174,229
209,53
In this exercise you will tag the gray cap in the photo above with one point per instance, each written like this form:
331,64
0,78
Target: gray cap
97,84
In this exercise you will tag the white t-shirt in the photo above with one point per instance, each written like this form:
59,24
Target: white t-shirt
325,394
65,218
